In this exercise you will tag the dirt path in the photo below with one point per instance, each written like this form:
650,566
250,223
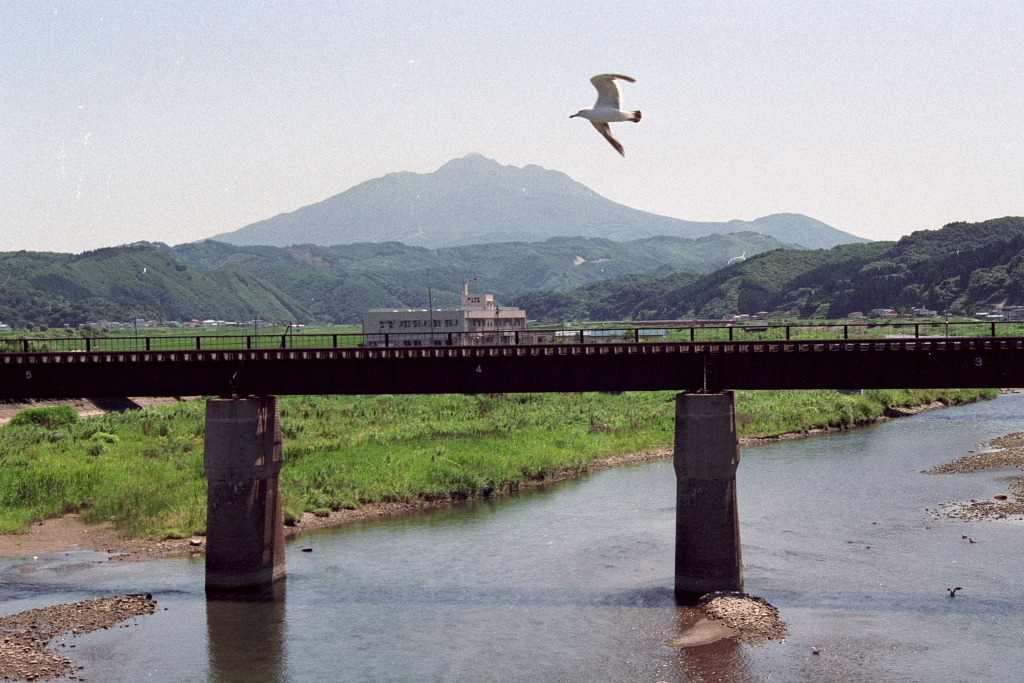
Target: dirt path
87,407
68,532
84,406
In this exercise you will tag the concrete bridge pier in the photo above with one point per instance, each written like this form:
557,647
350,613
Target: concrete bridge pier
707,523
245,521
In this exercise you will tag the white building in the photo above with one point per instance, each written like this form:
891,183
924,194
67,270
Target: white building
479,320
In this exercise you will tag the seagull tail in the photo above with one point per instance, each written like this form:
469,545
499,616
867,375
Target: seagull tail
634,116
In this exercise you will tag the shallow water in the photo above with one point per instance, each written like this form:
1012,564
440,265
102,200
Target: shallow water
574,583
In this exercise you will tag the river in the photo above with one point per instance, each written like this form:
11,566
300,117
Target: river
574,583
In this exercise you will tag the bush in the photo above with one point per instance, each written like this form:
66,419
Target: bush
50,416
105,437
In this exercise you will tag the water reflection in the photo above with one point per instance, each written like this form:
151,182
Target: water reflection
721,659
246,634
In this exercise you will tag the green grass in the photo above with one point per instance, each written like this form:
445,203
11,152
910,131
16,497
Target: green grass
144,469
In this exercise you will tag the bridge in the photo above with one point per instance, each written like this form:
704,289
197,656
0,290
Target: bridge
627,366
245,542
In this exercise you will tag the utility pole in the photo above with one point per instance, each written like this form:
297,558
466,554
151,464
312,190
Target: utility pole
430,305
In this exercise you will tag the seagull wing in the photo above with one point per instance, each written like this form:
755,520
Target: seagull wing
608,90
606,130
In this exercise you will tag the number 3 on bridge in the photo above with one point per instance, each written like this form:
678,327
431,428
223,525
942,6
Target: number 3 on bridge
978,362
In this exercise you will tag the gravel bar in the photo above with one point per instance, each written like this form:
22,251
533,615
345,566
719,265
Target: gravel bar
24,637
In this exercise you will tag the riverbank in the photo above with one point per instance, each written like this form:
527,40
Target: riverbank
1004,452
70,532
24,637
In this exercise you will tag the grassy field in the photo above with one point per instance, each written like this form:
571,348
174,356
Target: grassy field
144,469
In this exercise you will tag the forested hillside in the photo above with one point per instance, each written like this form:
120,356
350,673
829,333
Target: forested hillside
960,267
123,283
311,284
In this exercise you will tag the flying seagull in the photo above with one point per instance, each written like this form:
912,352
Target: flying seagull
737,258
606,109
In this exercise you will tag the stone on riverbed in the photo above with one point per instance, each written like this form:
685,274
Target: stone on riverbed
753,618
731,614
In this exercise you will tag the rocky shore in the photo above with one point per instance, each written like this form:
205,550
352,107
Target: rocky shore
25,637
1004,452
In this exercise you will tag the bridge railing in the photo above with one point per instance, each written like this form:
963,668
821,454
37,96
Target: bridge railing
758,331
596,334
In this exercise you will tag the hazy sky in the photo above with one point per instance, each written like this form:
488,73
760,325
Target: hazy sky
174,121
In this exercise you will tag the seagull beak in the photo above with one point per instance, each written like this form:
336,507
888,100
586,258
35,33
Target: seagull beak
572,116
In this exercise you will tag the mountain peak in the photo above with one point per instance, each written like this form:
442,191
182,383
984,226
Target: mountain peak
472,163
470,160
477,200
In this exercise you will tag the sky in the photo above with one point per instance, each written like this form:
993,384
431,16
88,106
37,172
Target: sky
175,121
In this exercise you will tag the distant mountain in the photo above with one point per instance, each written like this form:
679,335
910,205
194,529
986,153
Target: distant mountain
809,233
962,267
475,200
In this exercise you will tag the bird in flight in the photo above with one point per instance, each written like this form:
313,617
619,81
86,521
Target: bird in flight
737,258
606,110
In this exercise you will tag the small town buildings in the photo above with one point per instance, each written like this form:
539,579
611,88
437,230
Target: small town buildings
478,320
882,313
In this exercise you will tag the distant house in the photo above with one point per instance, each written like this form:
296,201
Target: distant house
882,313
479,320
856,315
